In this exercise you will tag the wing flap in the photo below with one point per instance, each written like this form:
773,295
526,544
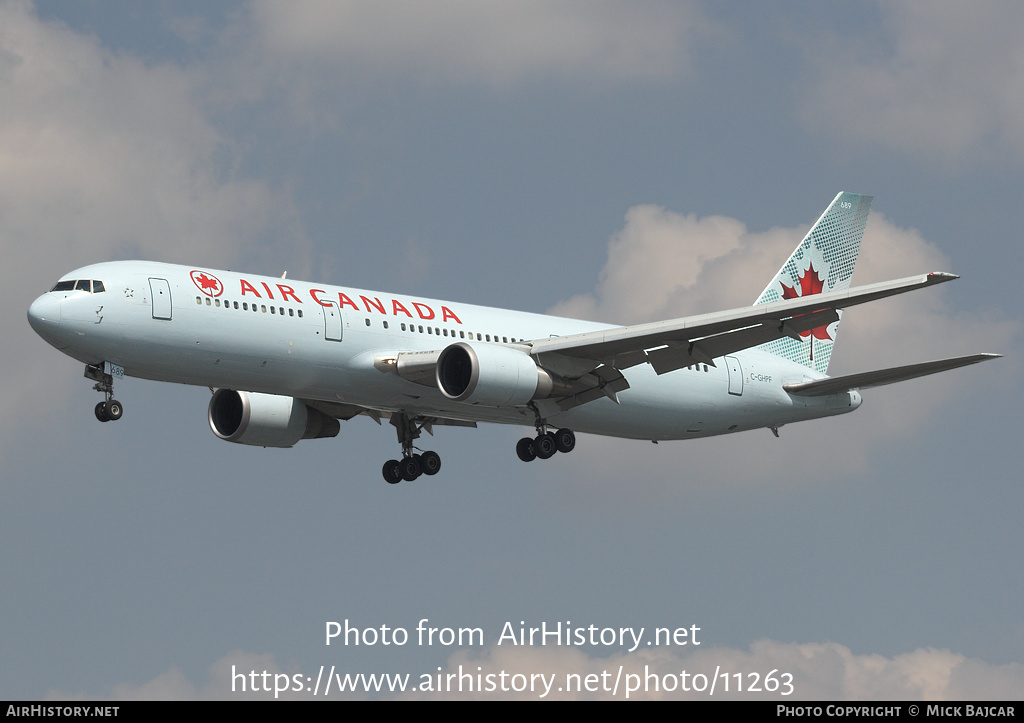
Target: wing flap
880,377
676,356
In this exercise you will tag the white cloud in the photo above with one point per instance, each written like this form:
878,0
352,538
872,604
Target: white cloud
103,156
951,84
494,43
820,671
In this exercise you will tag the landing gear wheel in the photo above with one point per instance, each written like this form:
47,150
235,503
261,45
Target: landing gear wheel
113,409
391,474
544,445
430,463
101,412
565,440
524,448
410,468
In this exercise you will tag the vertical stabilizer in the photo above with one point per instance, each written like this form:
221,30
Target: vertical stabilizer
821,263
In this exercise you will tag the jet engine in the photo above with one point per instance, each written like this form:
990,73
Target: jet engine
267,420
494,376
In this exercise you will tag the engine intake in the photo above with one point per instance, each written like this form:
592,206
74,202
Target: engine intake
267,420
494,376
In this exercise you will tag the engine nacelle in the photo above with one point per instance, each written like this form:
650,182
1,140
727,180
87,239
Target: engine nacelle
494,376
266,420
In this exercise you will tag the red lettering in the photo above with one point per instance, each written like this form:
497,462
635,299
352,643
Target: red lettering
396,306
447,314
314,292
378,306
249,288
287,291
420,308
267,288
343,300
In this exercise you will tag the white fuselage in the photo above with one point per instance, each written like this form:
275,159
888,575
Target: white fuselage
318,342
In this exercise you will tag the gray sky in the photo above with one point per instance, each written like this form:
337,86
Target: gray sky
621,162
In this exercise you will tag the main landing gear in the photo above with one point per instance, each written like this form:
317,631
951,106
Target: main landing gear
411,465
546,443
109,410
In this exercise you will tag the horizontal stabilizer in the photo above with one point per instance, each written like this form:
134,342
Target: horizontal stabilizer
836,385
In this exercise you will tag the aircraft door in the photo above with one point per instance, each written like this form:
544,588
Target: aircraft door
161,296
735,375
332,322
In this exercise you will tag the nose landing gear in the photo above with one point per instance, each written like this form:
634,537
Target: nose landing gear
109,410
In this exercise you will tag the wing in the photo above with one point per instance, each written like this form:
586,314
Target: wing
669,345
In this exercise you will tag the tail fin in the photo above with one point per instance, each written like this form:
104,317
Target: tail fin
822,262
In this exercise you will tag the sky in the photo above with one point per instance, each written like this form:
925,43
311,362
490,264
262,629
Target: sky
610,161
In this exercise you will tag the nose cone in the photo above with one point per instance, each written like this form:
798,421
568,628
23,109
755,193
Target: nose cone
44,316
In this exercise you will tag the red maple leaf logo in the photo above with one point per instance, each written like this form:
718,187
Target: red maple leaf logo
810,284
207,283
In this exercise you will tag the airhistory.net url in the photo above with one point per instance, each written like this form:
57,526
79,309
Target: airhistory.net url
615,682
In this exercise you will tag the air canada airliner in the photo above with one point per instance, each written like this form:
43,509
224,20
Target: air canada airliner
289,359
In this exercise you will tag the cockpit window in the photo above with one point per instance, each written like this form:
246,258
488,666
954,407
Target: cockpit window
91,285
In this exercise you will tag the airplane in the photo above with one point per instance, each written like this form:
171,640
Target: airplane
289,359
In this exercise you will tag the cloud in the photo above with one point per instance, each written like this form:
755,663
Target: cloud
103,156
493,43
950,84
820,671
815,671
664,265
